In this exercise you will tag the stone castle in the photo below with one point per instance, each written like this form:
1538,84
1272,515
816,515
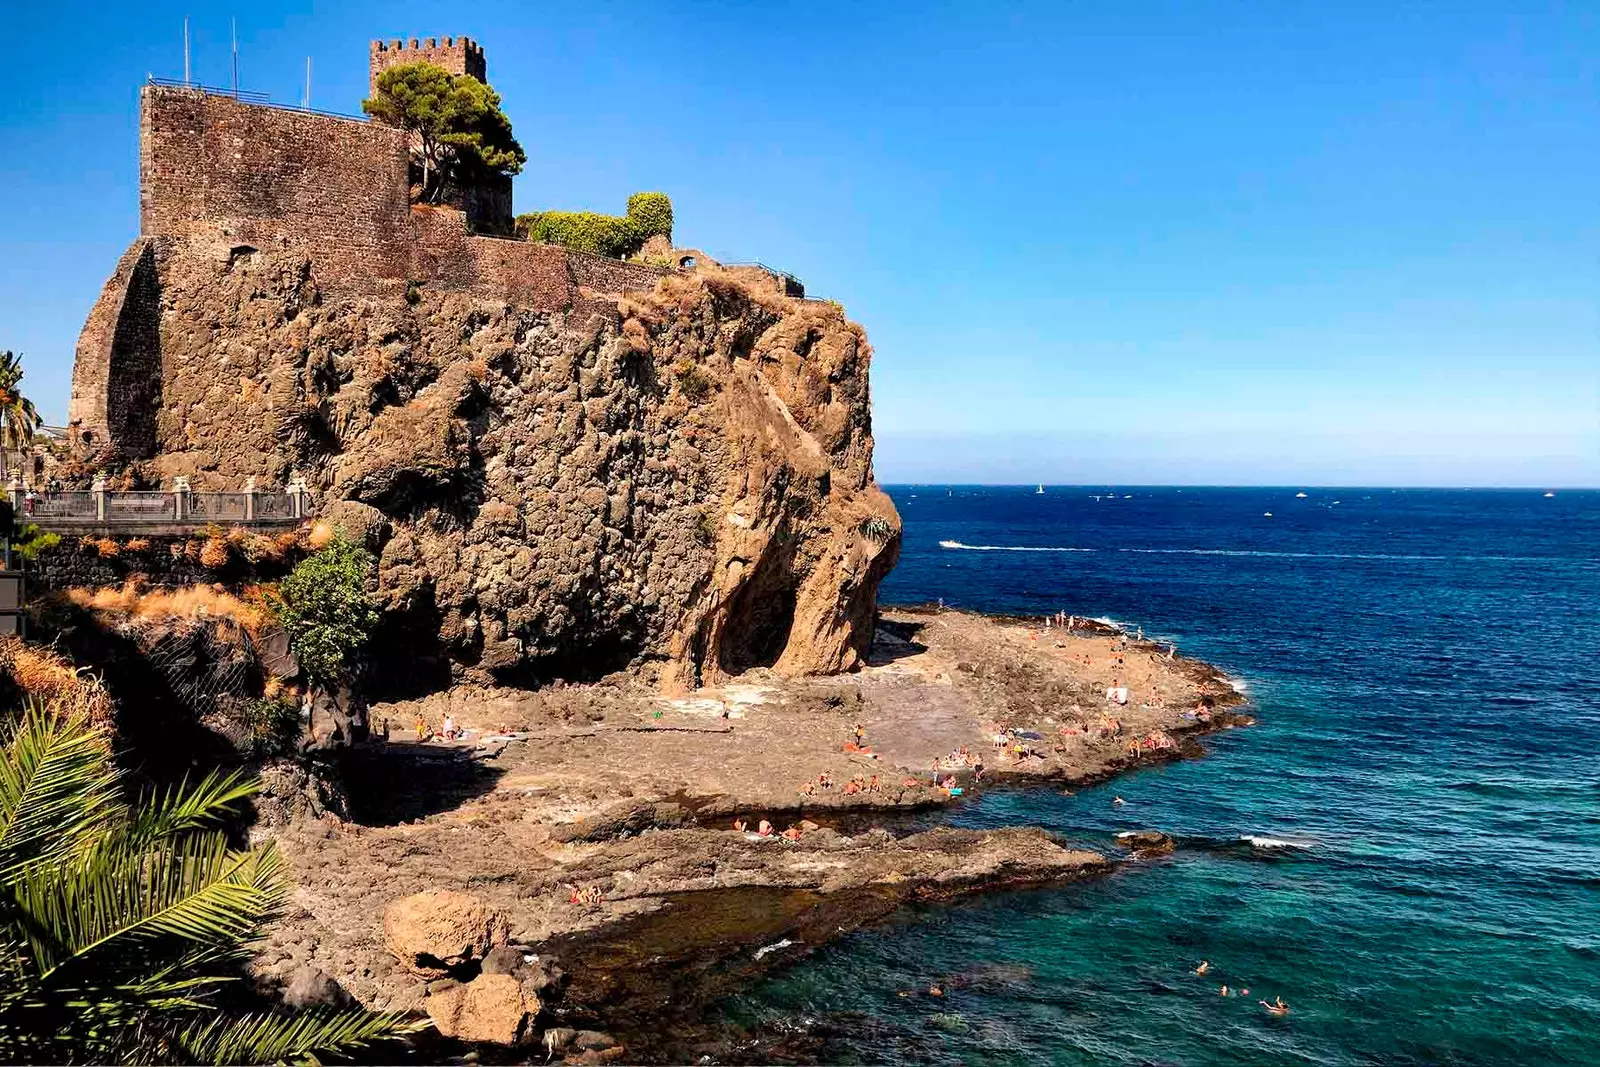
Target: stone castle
230,178
565,464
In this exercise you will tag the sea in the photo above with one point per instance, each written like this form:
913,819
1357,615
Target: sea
1405,848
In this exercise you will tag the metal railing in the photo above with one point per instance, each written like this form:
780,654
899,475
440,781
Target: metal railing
244,96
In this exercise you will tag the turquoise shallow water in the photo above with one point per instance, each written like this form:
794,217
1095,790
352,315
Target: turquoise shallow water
1423,664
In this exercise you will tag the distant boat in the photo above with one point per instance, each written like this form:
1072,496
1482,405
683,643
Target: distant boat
1549,495
1039,491
1266,514
1299,496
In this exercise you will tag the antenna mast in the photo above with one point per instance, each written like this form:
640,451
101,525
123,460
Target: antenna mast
233,25
305,101
186,50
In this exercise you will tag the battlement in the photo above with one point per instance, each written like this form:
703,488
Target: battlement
457,55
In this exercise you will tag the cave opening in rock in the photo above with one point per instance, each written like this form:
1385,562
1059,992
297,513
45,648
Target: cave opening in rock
760,617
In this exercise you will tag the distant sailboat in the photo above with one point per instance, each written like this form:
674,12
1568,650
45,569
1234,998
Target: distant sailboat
1039,491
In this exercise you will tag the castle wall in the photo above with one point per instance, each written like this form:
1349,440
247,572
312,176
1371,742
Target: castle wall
221,178
91,368
535,276
605,275
220,171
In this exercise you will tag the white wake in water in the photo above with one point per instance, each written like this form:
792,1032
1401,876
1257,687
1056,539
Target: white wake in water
1259,841
1008,548
1266,554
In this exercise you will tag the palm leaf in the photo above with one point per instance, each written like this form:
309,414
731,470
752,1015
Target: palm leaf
183,808
265,1038
57,790
194,889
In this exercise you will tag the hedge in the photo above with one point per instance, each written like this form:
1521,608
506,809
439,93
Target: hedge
649,215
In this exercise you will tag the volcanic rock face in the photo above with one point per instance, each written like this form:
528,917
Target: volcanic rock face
682,477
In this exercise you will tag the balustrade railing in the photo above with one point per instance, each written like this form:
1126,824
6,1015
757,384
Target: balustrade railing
180,504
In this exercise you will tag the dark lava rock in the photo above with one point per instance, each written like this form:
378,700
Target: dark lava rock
502,959
310,988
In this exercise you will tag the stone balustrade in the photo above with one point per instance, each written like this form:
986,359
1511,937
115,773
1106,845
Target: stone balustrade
179,506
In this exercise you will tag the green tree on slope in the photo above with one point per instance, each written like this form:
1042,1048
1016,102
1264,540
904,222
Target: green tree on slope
18,419
119,924
455,119
324,607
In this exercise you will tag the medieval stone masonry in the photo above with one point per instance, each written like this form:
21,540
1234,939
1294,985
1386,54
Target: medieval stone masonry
231,178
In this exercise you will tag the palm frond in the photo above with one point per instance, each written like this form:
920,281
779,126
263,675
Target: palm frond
266,1038
183,807
195,889
57,790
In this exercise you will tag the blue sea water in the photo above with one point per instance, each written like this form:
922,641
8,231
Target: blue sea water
1423,665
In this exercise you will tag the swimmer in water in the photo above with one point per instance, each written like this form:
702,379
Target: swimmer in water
1225,991
1118,801
1205,965
1277,1007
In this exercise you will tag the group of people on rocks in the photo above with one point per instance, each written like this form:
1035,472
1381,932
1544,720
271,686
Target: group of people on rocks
861,783
766,829
1154,741
448,730
588,896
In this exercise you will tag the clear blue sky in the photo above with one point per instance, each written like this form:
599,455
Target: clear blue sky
1120,242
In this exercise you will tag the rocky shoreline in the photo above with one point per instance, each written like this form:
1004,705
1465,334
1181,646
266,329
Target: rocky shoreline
597,822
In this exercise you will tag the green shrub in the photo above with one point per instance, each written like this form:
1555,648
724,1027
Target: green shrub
29,541
692,380
582,231
649,215
274,724
877,529
326,611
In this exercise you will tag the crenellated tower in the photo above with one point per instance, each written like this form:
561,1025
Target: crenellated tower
457,55
486,199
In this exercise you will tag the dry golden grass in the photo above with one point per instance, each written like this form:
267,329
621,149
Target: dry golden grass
41,673
138,544
191,601
636,336
104,547
214,553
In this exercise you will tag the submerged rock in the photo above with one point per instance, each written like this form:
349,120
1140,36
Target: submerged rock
1146,842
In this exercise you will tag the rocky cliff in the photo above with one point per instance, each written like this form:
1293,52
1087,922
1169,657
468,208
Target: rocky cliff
681,477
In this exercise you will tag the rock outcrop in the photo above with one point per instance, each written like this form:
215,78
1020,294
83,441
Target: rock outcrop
490,1008
681,477
435,932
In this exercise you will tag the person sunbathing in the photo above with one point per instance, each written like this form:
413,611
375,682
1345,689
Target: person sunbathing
765,829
